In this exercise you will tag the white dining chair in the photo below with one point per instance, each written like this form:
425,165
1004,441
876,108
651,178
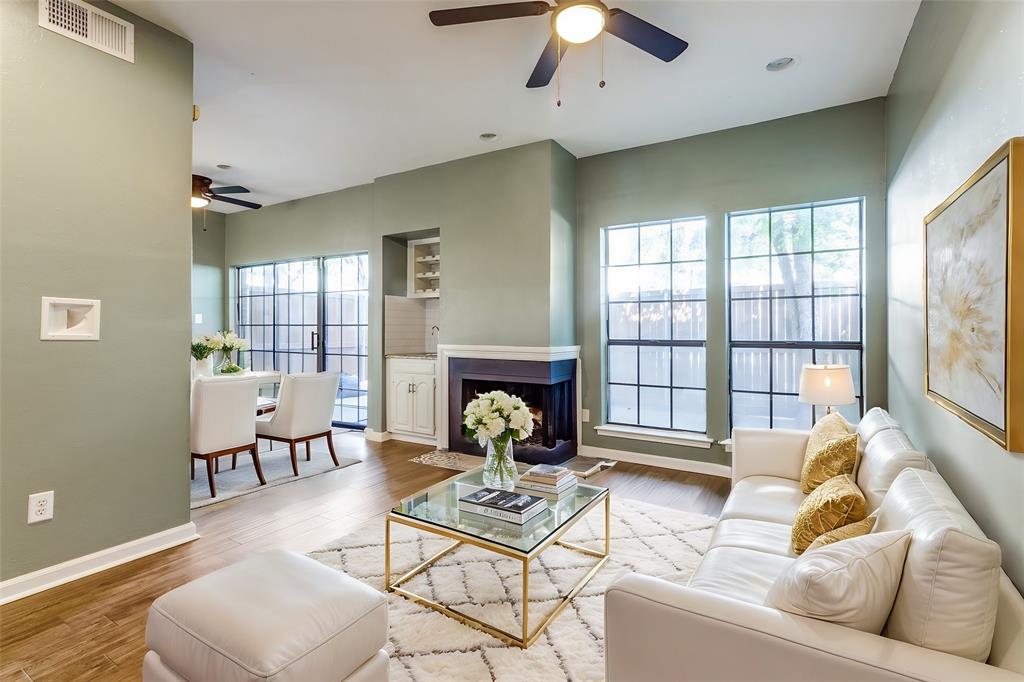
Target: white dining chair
305,408
223,422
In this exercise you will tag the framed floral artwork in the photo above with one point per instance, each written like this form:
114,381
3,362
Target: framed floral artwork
974,299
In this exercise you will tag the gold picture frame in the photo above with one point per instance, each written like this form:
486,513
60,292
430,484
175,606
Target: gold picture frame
974,299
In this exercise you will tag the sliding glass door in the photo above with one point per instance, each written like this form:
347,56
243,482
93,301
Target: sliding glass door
310,315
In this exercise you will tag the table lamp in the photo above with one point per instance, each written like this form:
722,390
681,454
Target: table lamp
826,385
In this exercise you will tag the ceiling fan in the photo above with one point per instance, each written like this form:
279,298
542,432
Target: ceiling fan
575,22
203,193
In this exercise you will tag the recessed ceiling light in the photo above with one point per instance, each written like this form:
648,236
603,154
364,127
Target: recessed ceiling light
224,166
778,64
487,137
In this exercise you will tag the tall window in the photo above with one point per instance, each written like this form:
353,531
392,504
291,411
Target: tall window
309,315
795,297
656,304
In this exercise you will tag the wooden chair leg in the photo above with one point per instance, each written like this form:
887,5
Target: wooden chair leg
216,465
209,475
256,462
192,462
295,462
330,446
234,459
308,455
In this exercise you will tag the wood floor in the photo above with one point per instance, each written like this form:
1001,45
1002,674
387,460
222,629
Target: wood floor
94,628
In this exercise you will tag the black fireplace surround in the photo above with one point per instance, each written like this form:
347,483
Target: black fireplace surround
547,388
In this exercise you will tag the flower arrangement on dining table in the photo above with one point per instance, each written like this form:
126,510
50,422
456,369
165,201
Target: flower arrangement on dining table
227,342
496,420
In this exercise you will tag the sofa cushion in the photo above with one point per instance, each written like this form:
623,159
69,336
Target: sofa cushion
833,504
851,583
275,616
949,590
764,498
885,456
737,573
837,456
826,429
850,530
762,536
873,422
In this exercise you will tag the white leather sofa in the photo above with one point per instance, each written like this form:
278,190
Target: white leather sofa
718,628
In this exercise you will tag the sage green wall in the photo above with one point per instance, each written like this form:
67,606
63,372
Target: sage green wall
563,247
208,273
828,154
495,221
95,162
955,99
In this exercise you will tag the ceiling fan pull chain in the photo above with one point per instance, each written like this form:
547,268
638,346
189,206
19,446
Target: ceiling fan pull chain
601,82
558,73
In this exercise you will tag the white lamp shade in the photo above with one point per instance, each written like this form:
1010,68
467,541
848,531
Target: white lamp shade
826,385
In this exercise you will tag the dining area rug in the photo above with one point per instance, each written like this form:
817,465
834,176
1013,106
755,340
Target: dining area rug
427,646
277,469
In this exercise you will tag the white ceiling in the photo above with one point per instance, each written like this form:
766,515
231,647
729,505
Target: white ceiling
307,97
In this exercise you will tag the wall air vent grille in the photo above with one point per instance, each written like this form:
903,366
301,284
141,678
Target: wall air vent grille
82,22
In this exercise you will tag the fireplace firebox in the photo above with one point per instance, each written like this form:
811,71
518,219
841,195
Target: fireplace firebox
547,388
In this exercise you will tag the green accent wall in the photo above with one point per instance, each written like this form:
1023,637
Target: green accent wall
96,162
829,154
955,98
209,279
505,244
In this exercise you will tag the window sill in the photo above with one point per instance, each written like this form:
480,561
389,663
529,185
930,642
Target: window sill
693,440
727,444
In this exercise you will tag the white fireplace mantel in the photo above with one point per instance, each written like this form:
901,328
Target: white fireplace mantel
534,353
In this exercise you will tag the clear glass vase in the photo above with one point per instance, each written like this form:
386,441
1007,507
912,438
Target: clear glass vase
499,467
227,366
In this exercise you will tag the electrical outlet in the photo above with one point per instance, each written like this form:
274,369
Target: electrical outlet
40,507
585,416
199,318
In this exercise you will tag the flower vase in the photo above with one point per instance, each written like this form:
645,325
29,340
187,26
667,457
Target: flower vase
204,367
499,467
225,364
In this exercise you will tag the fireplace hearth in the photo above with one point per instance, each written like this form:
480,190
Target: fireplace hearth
548,389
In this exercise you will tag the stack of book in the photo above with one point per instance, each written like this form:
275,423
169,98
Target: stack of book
502,504
548,480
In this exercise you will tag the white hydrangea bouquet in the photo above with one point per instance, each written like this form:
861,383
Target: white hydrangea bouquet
227,342
495,420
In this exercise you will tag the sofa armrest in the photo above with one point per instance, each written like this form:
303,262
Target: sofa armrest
658,631
767,452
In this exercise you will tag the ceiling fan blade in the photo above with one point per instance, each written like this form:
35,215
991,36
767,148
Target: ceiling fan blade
230,189
647,37
547,63
469,15
236,202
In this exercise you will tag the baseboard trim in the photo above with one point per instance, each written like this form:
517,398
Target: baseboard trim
410,438
678,464
73,569
376,436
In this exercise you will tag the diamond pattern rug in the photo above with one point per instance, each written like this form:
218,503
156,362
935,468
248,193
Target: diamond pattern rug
427,646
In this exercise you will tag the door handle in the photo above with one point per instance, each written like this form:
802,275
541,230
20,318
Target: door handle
313,340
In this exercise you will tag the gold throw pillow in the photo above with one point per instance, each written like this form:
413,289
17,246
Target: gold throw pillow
831,426
850,530
833,504
834,457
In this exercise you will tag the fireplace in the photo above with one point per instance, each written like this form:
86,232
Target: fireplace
547,387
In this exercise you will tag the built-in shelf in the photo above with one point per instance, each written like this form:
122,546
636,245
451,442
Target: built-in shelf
424,280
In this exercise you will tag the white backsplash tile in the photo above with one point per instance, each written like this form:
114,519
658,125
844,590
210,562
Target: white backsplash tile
406,329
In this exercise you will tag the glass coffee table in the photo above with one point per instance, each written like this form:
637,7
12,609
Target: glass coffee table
436,510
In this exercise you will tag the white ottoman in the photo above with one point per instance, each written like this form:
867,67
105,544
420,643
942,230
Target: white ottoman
274,616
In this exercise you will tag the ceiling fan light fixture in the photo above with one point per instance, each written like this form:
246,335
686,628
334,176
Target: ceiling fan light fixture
579,23
200,201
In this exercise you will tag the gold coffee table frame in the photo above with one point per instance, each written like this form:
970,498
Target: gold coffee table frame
526,638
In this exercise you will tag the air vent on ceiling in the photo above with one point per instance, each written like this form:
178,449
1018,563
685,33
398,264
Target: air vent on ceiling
82,22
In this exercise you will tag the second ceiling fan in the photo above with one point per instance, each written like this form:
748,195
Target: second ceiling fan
573,22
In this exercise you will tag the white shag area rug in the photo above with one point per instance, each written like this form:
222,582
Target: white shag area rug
427,646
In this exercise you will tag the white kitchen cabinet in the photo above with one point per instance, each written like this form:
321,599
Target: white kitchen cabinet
410,397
